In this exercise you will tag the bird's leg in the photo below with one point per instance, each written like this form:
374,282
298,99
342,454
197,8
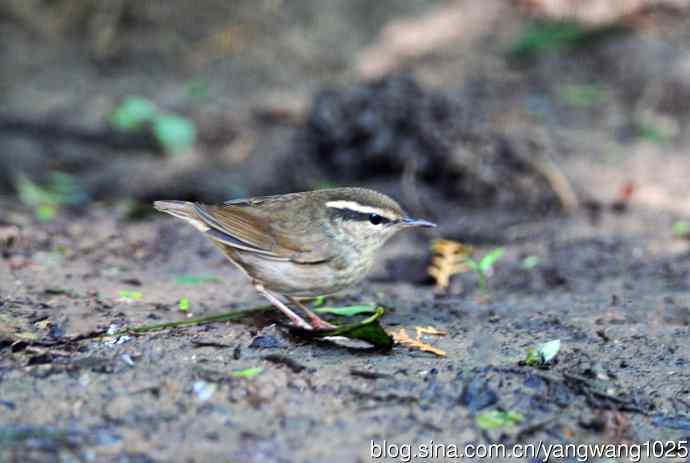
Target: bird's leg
317,322
278,304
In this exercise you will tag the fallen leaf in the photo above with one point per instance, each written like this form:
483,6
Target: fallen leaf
401,337
368,330
429,330
129,296
451,258
246,373
348,311
494,419
544,354
487,262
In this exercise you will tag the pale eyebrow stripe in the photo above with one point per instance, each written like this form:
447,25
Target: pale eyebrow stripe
356,207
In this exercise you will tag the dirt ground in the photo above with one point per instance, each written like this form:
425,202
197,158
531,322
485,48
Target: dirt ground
616,293
610,280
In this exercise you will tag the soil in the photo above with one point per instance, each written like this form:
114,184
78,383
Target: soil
609,279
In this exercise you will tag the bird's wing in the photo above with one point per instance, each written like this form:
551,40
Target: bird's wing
261,230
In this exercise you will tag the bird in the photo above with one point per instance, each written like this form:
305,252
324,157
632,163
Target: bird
297,245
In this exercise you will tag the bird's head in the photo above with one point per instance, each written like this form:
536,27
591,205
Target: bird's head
364,218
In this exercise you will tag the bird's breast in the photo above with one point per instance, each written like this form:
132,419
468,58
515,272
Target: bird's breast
298,279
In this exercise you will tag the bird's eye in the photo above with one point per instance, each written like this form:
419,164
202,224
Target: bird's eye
375,219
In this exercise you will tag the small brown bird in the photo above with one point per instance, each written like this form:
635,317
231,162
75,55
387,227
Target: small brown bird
300,244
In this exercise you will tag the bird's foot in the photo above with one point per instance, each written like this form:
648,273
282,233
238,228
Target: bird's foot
295,320
317,323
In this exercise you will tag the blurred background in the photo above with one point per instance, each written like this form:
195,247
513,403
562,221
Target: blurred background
450,106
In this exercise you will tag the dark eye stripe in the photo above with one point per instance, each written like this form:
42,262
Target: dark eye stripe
348,214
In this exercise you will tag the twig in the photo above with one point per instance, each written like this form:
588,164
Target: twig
389,397
293,365
367,374
202,343
224,317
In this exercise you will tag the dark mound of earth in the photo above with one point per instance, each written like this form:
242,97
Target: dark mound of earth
395,128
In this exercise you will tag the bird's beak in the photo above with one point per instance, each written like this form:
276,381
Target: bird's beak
410,222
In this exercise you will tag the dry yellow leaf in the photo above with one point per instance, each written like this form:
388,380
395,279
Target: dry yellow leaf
428,330
451,259
401,337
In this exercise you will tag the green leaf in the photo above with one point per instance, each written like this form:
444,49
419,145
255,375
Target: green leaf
174,134
495,419
45,213
131,295
532,358
246,373
349,311
652,134
319,300
529,262
489,259
543,36
544,354
681,229
368,330
31,194
195,279
132,114
60,189
184,304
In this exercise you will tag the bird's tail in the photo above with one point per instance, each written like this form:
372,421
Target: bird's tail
183,210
